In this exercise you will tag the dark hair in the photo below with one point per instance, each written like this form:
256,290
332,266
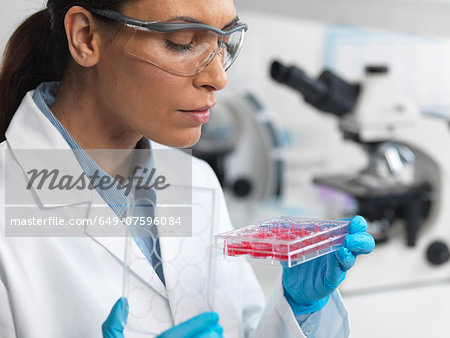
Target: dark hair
38,52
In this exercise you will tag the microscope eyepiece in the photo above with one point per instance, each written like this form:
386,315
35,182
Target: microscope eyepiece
313,91
329,93
372,69
278,71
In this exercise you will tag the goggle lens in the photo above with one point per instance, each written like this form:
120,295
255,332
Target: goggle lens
186,52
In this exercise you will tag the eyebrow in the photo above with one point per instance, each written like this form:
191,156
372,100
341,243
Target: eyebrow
194,20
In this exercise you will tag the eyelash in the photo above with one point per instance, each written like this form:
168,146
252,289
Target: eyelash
177,47
224,44
184,48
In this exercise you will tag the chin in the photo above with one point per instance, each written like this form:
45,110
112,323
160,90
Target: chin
188,143
180,141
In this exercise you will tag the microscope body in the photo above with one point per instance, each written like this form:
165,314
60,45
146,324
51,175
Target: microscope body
383,114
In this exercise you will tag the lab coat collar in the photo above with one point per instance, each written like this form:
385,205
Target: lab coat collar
31,130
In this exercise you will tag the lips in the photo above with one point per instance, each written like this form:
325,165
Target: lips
196,110
199,115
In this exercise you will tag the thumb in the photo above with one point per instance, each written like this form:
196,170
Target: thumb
115,323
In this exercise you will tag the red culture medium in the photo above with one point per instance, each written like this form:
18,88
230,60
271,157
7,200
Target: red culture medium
290,240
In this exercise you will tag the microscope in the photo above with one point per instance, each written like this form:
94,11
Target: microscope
404,192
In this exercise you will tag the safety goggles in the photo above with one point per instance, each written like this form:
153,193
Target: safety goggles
180,48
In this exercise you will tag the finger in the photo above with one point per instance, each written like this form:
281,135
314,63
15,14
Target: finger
115,323
193,327
359,243
215,332
358,224
218,329
345,258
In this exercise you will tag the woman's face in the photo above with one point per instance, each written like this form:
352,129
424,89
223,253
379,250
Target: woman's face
149,101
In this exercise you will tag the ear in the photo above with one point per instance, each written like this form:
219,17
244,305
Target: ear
83,36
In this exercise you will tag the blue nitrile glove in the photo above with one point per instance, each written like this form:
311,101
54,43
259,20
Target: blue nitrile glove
307,286
117,319
205,325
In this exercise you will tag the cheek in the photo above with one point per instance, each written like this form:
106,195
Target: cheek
149,87
131,82
153,93
147,98
137,89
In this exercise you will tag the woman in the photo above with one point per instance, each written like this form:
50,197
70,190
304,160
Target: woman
97,75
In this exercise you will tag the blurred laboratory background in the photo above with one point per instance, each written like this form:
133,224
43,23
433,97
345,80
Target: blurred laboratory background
336,108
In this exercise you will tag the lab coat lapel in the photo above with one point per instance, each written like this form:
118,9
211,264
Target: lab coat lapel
31,130
139,266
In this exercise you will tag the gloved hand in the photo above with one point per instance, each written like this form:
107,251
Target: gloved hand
117,319
307,286
205,325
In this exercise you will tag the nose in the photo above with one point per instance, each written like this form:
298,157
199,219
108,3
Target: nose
213,76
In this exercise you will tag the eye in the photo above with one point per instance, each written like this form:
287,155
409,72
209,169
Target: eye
180,41
179,47
223,44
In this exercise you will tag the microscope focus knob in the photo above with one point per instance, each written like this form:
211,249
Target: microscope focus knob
242,187
438,253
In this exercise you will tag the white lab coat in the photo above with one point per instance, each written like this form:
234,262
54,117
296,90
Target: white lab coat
66,286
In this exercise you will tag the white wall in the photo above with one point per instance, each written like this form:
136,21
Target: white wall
12,13
429,17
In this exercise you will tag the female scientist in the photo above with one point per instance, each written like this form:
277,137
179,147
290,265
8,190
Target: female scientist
127,74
